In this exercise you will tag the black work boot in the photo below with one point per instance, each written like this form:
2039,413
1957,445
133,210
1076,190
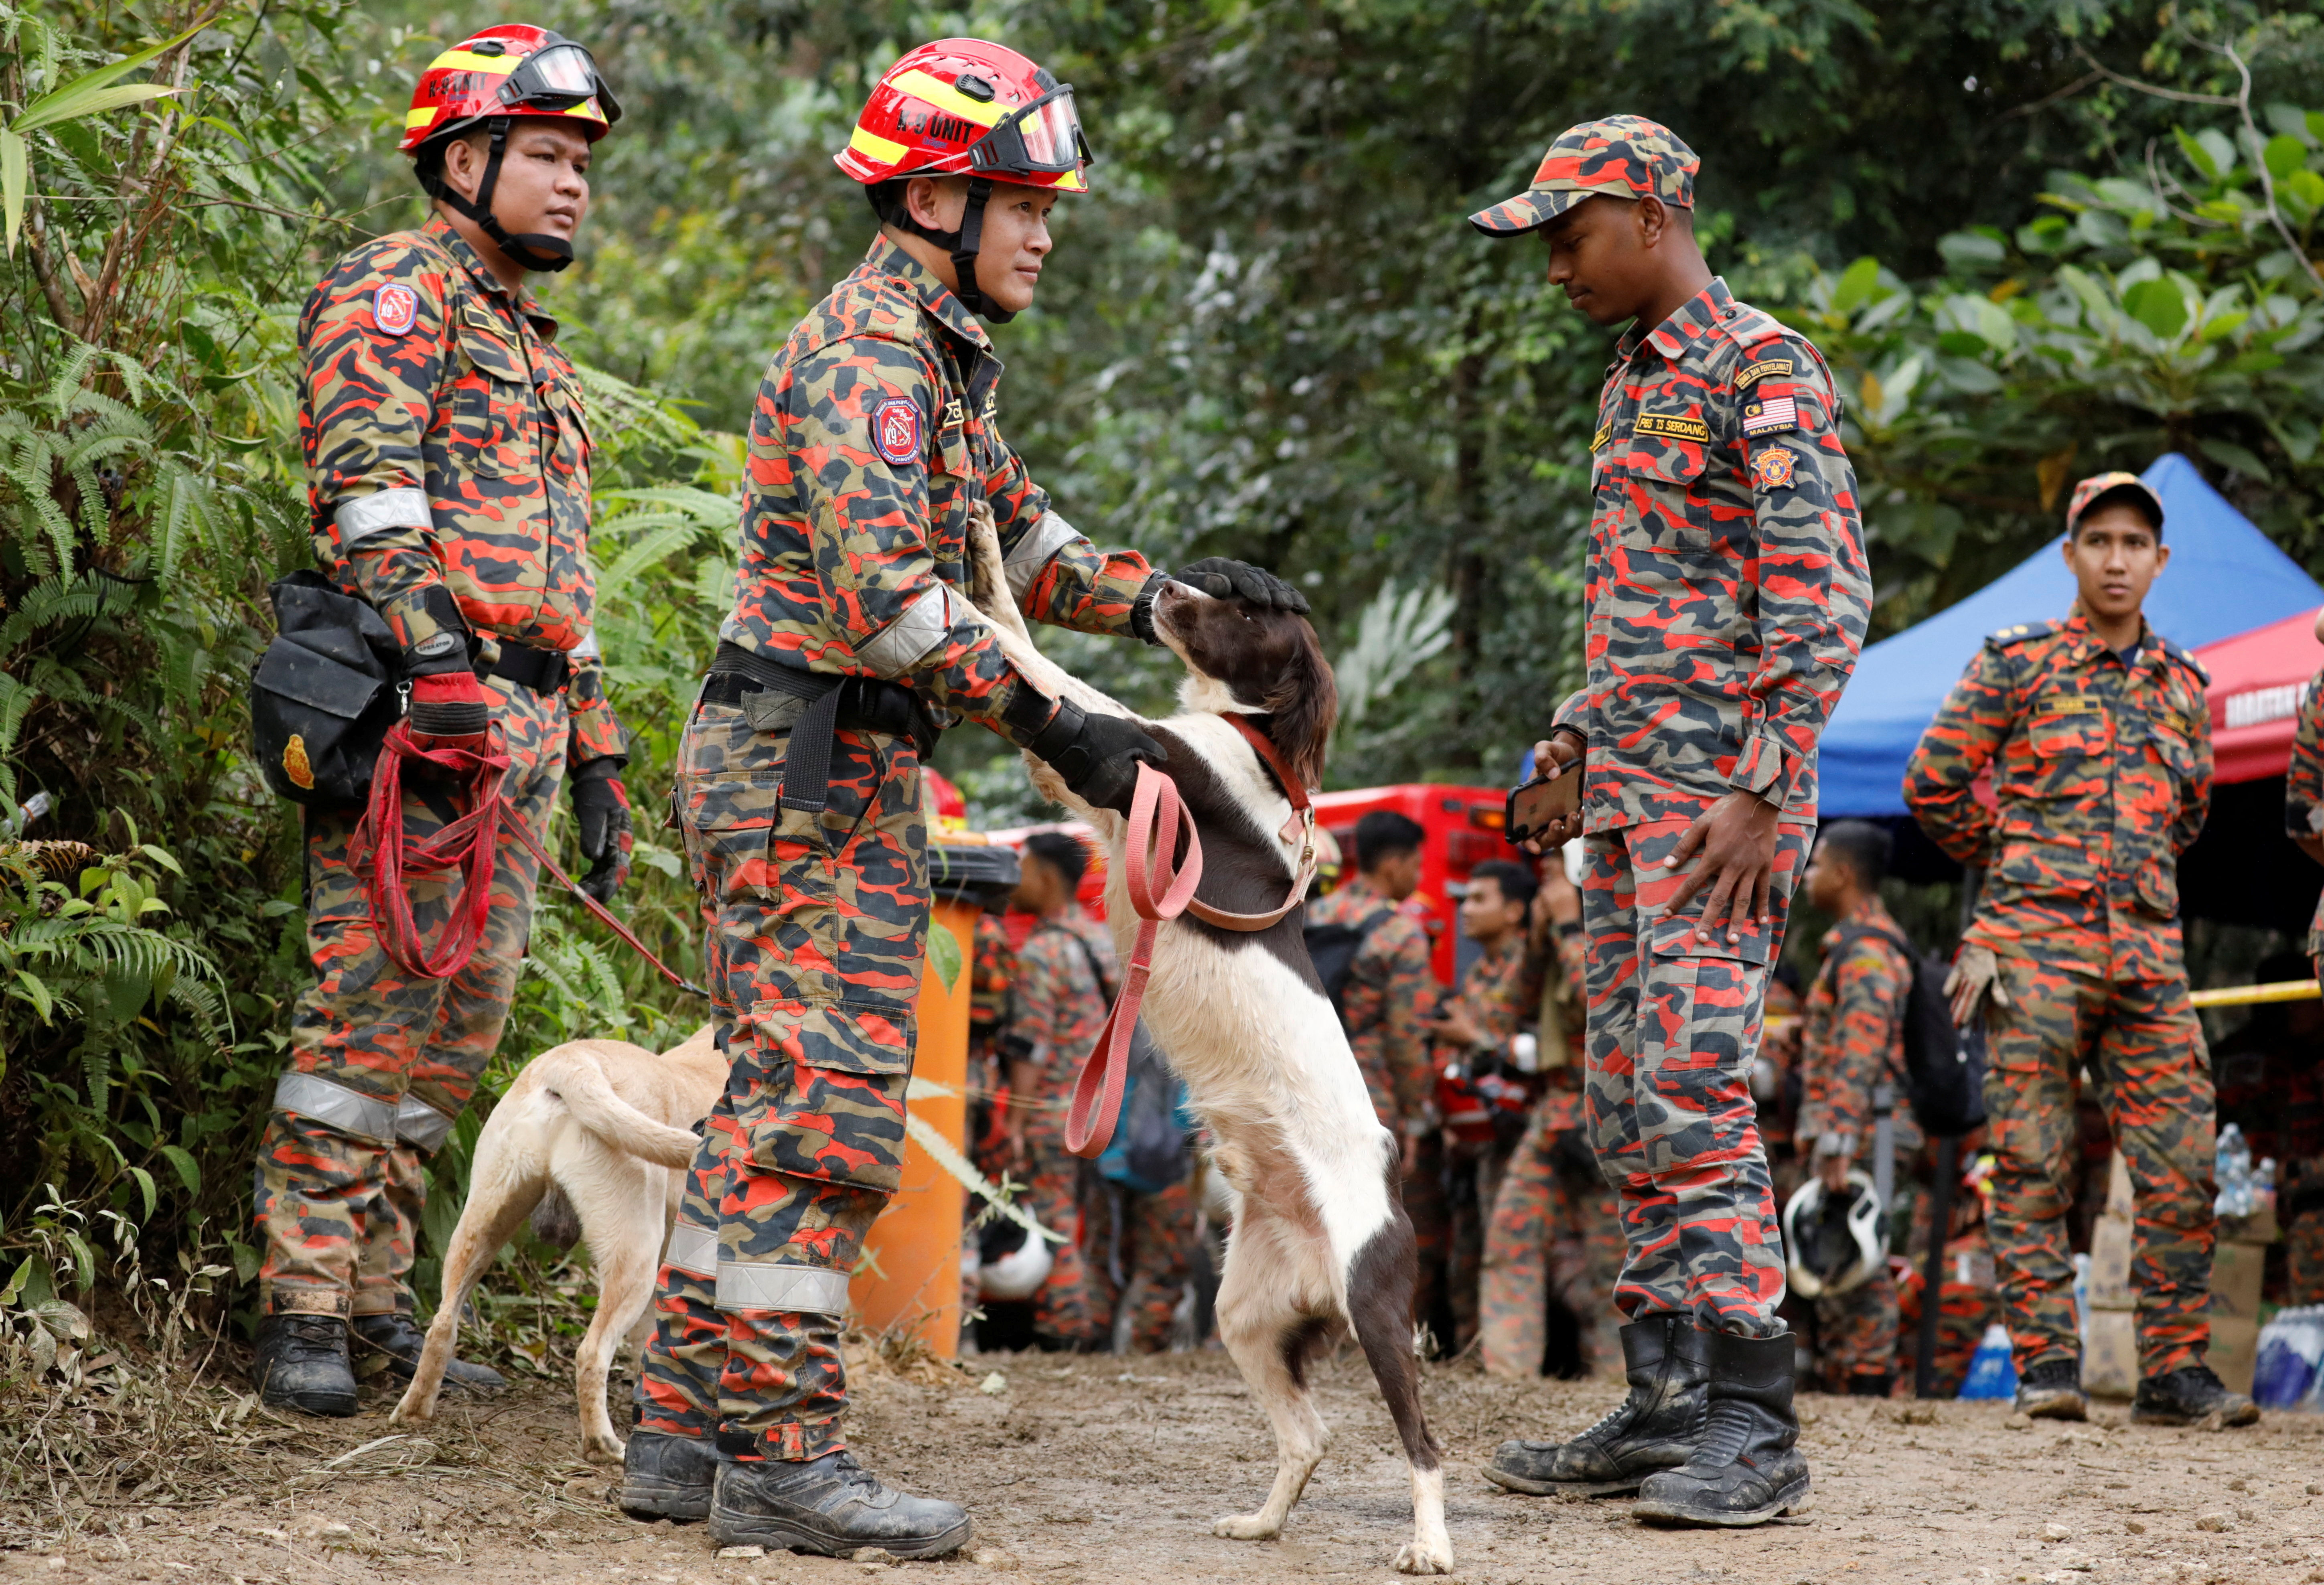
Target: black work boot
401,1340
1668,1362
2053,1390
2193,1395
831,1506
666,1477
301,1363
1746,1468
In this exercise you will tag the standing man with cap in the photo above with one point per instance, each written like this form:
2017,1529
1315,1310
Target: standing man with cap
2098,740
875,441
448,470
1727,596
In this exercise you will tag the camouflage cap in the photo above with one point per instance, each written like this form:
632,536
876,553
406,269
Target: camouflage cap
1625,156
2136,492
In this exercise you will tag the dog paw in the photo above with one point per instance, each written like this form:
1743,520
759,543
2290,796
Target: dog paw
1246,1528
604,1449
1417,1557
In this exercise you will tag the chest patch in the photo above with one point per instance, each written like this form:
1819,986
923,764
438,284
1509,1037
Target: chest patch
895,430
1672,427
1772,469
1769,416
394,308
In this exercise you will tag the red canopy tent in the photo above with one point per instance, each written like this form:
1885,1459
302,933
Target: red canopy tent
2257,681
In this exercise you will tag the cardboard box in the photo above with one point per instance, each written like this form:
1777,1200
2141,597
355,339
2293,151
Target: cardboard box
2120,1200
2235,1350
2110,1354
2258,1228
2236,1272
2110,1246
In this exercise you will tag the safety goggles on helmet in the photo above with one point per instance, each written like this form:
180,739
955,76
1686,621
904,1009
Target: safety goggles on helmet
1044,136
558,78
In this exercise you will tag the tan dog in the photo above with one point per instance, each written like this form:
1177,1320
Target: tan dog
607,1125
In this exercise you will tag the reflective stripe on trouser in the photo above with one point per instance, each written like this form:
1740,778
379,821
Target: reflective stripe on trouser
2145,1050
1673,1026
817,931
382,1063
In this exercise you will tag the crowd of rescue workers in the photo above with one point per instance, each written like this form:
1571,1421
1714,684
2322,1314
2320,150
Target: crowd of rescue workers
1637,1139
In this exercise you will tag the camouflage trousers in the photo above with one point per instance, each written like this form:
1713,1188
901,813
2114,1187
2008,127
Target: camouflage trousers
1856,1337
1472,1181
2303,1253
382,1063
2144,1052
816,929
1967,1303
1673,1028
1555,1234
1074,1309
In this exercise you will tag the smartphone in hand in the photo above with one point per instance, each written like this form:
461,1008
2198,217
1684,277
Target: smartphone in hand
1539,804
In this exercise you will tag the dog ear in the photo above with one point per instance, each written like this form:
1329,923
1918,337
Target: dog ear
1304,702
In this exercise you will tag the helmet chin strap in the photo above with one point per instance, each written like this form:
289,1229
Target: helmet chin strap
964,245
534,250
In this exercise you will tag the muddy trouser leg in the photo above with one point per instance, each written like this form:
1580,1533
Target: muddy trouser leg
821,918
1513,1286
1673,1026
2032,1048
2155,1081
1072,1307
1162,1237
359,1036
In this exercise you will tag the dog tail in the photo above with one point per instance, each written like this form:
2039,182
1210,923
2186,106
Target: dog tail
581,1084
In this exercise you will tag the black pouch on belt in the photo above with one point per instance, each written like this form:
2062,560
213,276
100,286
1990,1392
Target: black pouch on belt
831,704
325,693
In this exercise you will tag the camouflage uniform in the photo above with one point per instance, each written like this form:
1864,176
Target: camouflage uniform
1727,598
1852,1040
1556,1229
1502,993
2101,771
1060,1004
2302,1173
447,469
872,436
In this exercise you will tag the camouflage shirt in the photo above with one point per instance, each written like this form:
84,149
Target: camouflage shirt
445,447
2101,773
1502,988
1057,1004
1389,998
2303,787
1725,581
1854,1036
874,434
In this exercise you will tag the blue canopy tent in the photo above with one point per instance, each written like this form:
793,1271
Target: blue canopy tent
2225,577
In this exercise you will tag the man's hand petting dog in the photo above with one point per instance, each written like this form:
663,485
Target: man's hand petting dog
1736,838
1560,751
1220,577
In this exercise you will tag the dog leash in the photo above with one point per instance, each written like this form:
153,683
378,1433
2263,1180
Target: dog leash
1158,816
469,845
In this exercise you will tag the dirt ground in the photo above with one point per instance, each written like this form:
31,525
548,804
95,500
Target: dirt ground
1101,1469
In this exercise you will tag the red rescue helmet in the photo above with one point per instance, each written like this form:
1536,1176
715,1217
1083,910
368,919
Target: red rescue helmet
966,107
486,80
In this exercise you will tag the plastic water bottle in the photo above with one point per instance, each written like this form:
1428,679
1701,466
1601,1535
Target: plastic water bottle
2291,1348
2237,1196
1992,1373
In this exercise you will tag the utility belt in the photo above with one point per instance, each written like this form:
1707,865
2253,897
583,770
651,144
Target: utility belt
832,704
544,671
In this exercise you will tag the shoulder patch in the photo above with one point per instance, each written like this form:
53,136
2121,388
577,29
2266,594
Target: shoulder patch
394,308
1771,469
2021,634
1750,374
1771,416
895,430
1605,433
1672,427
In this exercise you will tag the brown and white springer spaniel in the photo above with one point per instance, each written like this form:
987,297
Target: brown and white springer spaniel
1320,1246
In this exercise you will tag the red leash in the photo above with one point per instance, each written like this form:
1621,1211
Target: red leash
1156,816
469,845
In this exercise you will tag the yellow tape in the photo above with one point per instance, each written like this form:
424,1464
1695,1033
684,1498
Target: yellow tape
2246,995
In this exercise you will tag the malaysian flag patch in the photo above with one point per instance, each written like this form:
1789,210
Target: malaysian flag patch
1766,418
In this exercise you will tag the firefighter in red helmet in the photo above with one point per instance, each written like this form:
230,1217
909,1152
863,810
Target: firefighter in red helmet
447,473
800,790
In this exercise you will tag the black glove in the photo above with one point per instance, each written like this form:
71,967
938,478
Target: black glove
1220,577
1097,755
601,807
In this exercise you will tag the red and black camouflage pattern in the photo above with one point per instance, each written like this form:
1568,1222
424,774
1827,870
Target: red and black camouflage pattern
2303,788
473,403
1623,156
2303,1258
1157,1260
1057,1006
337,1212
814,953
874,434
2144,1049
2101,776
1856,1336
1501,990
1726,580
1673,1028
1853,1037
1967,1303
1389,997
676,1388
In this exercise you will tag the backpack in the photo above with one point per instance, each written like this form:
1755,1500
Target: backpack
324,693
1148,1152
1333,949
1944,1071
